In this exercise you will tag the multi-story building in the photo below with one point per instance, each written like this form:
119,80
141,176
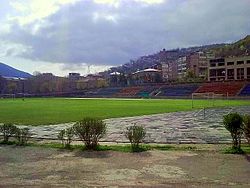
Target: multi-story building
74,76
197,62
169,70
181,66
147,76
231,68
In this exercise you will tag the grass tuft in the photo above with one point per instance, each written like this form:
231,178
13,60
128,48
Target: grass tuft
245,149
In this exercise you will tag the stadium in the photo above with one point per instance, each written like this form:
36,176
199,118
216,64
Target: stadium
48,104
183,123
156,127
198,101
125,93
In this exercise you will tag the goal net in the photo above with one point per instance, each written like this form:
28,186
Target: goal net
2,96
205,100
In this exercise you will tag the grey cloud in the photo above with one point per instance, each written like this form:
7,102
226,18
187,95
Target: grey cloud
204,22
72,37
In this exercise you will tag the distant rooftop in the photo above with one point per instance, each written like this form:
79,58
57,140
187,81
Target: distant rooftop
147,70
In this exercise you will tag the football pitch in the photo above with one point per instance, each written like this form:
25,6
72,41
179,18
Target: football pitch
45,111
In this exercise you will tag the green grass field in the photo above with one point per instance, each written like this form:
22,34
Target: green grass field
58,110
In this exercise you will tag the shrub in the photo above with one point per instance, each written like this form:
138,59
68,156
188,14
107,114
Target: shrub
8,130
61,136
90,131
135,134
233,122
234,151
22,136
246,120
69,135
66,136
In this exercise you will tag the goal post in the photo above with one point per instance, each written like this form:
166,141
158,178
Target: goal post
210,97
11,96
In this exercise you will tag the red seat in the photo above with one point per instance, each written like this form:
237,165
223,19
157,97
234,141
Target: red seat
225,88
129,91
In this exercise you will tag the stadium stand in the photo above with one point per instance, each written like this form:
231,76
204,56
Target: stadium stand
177,90
225,88
147,90
129,91
245,91
109,91
160,90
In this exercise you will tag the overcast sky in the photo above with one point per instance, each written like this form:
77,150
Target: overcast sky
62,36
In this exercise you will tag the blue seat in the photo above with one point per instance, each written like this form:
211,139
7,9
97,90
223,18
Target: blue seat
178,90
146,91
104,91
245,91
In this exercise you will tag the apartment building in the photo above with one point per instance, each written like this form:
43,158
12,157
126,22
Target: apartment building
181,66
169,70
231,68
197,62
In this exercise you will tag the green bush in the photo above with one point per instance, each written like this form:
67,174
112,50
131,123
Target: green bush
61,136
66,136
8,130
233,122
90,131
135,134
234,151
22,135
246,121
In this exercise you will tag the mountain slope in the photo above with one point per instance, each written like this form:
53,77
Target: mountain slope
152,60
239,48
8,71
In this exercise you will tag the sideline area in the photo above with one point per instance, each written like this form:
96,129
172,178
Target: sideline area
48,167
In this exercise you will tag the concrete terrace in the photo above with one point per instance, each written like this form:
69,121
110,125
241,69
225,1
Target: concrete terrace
178,127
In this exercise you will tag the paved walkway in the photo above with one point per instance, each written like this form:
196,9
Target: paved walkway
178,127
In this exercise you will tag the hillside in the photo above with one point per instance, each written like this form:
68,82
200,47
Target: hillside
241,47
8,71
151,61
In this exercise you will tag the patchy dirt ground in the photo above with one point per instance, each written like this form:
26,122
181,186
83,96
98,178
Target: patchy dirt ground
44,167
